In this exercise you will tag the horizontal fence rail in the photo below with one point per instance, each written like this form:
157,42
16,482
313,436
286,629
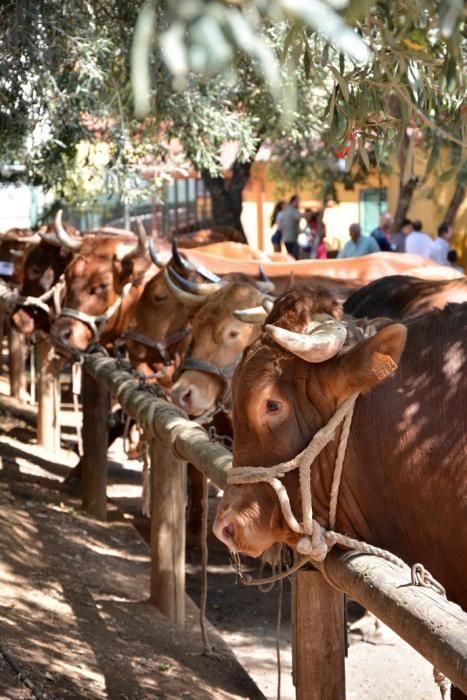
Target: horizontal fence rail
162,420
435,627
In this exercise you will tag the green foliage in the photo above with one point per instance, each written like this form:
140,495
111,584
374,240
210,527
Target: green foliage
293,73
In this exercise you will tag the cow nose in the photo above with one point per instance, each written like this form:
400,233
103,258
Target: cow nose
224,530
65,334
181,396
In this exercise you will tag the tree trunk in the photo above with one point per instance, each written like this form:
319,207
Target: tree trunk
454,204
227,197
405,190
405,198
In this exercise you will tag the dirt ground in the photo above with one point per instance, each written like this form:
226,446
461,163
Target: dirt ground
74,611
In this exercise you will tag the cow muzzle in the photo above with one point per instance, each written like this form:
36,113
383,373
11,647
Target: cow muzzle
71,332
196,393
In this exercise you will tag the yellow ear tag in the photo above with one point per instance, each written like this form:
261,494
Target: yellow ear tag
387,366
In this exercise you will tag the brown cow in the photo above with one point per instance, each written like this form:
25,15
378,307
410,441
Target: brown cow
103,283
159,332
401,296
218,340
406,455
157,337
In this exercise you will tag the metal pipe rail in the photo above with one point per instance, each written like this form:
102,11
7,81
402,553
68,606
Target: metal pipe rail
433,626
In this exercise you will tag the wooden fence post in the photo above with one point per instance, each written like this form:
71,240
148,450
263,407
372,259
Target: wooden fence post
17,364
318,638
96,404
168,486
48,396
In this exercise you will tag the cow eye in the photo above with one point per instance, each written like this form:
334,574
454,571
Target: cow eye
104,286
272,406
234,334
159,298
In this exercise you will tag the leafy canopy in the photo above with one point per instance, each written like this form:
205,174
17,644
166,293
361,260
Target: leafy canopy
208,72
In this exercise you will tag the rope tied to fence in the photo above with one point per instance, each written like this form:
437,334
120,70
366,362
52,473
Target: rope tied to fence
318,540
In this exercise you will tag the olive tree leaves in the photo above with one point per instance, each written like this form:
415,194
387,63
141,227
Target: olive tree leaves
389,65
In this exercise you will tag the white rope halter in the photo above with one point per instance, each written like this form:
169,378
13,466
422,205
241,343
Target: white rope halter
317,541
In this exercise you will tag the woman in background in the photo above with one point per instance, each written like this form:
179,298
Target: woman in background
276,220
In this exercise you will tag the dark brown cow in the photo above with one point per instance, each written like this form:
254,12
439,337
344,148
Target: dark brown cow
13,244
406,457
43,265
401,296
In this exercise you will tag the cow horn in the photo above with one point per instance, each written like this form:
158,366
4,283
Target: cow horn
157,260
140,227
202,288
257,314
265,284
180,294
140,249
323,338
65,239
180,261
184,264
268,303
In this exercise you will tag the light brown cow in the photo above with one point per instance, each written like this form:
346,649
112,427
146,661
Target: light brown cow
218,340
332,273
406,456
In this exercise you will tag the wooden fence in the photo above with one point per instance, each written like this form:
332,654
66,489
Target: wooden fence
433,626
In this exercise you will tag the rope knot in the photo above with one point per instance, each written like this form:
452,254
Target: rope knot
317,544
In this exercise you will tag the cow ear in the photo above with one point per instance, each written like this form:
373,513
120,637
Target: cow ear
371,361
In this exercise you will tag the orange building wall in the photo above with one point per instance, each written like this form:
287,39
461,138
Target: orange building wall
429,204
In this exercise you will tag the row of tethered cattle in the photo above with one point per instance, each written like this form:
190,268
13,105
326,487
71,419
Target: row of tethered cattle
277,356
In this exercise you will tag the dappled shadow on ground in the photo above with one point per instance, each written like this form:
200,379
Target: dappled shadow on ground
73,603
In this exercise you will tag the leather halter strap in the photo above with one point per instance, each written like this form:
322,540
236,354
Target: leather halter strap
160,345
223,403
91,321
224,373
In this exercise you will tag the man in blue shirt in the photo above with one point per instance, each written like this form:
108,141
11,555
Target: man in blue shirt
382,234
358,245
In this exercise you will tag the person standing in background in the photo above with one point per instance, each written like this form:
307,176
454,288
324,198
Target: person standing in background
399,238
317,230
358,245
290,225
383,233
440,248
276,220
418,242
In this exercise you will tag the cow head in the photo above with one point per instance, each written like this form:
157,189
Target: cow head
285,390
159,332
13,245
95,280
218,338
42,267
